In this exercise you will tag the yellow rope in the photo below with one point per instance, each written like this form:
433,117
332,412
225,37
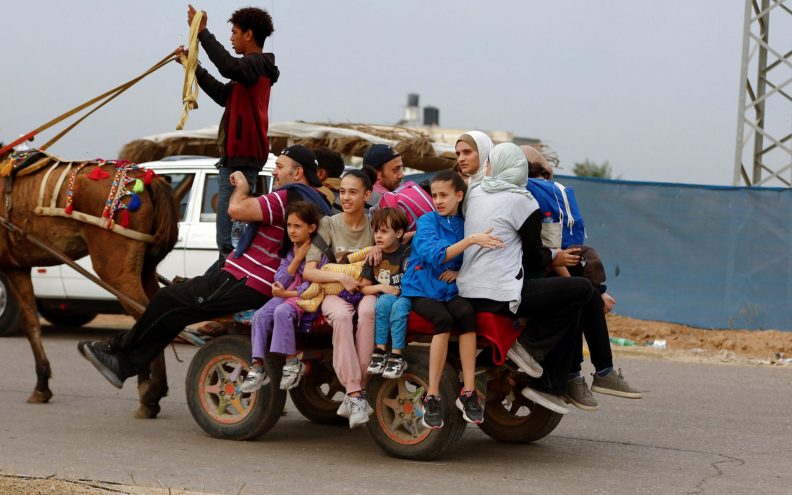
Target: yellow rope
190,63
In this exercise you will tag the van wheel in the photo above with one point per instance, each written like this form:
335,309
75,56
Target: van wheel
212,382
10,316
64,318
396,425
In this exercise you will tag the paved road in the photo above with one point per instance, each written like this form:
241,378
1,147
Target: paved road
699,429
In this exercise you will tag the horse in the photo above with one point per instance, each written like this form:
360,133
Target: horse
72,205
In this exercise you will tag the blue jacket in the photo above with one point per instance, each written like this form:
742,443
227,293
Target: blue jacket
432,237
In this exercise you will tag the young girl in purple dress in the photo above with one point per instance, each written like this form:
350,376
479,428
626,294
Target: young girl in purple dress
274,323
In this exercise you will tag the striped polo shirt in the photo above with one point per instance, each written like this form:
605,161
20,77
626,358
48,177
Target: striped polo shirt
260,262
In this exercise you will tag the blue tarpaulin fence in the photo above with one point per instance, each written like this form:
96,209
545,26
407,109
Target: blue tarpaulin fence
712,257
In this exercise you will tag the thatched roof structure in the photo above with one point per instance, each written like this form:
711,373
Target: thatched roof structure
350,140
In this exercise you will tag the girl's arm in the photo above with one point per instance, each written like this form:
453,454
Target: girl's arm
283,276
483,239
299,255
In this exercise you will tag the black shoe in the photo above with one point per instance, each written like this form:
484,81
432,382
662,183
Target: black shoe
107,364
433,412
472,406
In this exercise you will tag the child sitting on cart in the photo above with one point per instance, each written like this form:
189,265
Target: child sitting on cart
430,282
273,325
391,310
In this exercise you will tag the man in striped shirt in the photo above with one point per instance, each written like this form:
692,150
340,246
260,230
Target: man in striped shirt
245,281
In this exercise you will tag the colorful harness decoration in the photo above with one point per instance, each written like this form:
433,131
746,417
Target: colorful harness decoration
115,215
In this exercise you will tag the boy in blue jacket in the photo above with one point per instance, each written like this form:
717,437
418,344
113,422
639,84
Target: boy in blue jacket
429,281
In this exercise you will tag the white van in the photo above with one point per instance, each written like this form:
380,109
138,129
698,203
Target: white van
65,297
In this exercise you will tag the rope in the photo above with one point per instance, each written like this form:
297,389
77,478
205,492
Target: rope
190,63
107,96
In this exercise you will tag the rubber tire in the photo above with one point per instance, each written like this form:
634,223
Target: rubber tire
65,318
269,401
500,425
438,441
10,316
309,399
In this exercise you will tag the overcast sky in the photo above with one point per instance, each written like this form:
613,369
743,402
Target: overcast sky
650,86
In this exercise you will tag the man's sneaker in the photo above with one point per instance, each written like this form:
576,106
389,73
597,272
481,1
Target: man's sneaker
292,372
394,367
358,411
548,401
107,364
255,379
471,405
377,364
527,364
433,412
614,384
579,395
343,408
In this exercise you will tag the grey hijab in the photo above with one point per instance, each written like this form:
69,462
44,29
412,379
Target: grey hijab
509,170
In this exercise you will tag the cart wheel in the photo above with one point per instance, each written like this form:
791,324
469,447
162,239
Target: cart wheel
511,418
397,427
319,393
215,373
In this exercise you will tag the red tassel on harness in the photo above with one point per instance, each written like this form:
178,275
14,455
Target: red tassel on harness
148,177
106,213
69,208
98,174
124,220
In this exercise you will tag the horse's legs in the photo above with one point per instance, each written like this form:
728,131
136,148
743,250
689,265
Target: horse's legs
122,269
152,384
22,289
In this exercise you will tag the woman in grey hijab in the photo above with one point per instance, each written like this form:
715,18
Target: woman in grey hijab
511,280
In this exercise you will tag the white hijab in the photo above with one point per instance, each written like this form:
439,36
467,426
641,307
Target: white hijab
483,147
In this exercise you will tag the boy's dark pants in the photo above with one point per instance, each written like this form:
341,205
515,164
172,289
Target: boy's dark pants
174,307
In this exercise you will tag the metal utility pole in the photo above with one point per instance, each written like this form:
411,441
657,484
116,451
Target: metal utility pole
764,123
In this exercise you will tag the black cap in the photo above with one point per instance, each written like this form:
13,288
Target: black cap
378,155
307,160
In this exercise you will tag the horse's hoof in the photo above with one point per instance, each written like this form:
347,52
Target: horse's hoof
147,412
39,397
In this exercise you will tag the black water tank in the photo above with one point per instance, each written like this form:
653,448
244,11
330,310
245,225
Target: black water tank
431,116
412,99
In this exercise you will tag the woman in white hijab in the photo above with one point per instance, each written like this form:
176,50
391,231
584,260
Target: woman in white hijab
472,151
511,280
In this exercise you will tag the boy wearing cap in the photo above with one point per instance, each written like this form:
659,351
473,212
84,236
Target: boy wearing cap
386,164
242,136
244,282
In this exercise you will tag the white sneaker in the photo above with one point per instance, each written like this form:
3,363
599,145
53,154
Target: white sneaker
527,364
548,401
254,380
343,409
292,372
358,411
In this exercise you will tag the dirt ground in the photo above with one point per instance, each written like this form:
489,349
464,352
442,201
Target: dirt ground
24,485
767,347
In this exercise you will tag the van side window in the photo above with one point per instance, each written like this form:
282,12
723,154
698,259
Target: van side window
182,190
209,199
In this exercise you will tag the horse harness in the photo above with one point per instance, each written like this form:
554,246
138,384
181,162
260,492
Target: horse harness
123,186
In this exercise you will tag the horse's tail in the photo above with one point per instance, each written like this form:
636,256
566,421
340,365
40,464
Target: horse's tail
166,224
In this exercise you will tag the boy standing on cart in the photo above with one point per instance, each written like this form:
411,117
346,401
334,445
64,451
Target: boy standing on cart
242,136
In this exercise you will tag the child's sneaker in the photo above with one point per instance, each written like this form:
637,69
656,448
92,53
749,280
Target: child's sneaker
579,395
377,364
433,412
471,405
343,409
614,384
292,372
358,411
394,367
255,379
